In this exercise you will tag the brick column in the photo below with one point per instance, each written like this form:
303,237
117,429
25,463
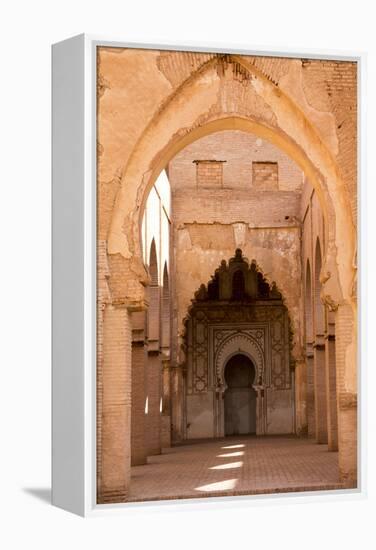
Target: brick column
311,416
347,438
139,360
116,405
166,405
331,387
153,416
320,390
347,399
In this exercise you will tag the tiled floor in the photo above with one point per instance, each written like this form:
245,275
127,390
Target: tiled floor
235,466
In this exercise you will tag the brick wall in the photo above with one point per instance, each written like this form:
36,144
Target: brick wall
239,150
265,176
332,86
260,216
116,405
209,173
225,206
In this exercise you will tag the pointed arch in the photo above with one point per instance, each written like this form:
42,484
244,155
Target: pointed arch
153,264
189,113
166,309
319,308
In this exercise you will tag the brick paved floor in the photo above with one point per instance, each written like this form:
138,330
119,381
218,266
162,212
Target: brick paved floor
236,466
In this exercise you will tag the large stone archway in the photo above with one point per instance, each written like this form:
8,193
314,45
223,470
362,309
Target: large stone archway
219,92
203,105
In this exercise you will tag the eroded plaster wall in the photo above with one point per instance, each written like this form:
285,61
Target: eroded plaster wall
210,222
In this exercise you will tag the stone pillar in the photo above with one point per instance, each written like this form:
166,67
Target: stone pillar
346,397
320,390
311,416
177,403
331,385
261,427
116,405
219,411
301,424
153,396
347,438
138,451
166,405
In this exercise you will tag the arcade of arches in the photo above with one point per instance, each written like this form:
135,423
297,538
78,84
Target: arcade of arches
226,300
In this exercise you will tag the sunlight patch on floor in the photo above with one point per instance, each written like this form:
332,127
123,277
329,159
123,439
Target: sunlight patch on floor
227,466
218,486
237,453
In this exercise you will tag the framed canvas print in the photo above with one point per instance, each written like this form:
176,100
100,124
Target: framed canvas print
205,319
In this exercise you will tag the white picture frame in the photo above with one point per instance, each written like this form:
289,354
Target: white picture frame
74,275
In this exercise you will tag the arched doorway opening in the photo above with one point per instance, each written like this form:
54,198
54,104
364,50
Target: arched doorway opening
239,396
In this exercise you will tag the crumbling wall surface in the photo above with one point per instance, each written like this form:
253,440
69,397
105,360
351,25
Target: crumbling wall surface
211,221
200,248
238,151
159,97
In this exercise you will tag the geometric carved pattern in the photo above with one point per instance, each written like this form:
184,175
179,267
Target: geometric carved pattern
249,342
237,310
261,331
200,355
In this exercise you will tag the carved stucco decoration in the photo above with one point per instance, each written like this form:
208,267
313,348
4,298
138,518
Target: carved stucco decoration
221,324
245,343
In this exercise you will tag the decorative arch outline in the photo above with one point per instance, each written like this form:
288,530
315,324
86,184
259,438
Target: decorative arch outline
242,343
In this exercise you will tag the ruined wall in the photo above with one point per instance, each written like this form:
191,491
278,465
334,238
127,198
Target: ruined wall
332,86
239,151
210,222
152,103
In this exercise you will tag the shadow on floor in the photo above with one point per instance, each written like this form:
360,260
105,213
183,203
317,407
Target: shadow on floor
41,493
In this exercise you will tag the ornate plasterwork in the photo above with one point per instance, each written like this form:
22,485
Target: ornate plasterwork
237,312
249,342
215,332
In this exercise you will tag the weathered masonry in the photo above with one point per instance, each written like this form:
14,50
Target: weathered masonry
226,254
237,315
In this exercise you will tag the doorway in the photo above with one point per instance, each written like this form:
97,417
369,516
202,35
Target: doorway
240,397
